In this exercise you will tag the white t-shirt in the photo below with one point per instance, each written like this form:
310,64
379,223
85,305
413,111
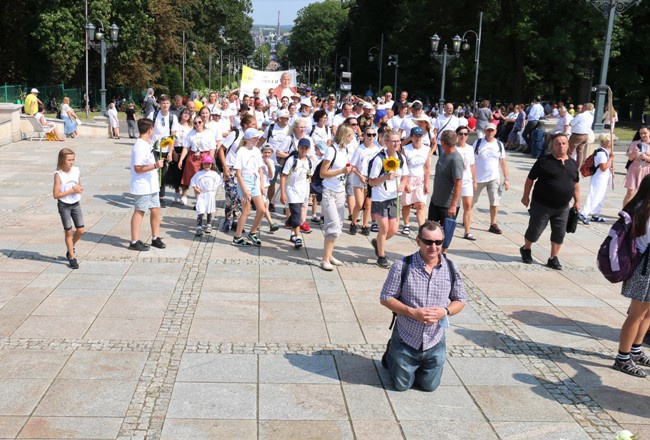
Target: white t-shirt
181,135
562,121
443,123
387,190
68,180
338,119
406,125
601,157
336,183
249,161
321,134
487,160
467,153
199,142
278,135
362,155
214,127
297,189
143,183
231,143
161,126
415,159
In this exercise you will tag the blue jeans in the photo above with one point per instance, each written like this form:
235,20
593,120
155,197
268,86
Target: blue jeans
407,365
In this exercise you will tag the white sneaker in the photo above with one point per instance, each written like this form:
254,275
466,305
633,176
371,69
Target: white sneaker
184,200
177,197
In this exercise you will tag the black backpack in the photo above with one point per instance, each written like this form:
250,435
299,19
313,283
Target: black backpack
316,185
480,141
295,162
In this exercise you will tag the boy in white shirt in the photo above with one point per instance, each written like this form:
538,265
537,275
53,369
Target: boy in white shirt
294,188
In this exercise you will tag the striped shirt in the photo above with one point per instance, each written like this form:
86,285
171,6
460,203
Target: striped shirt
422,290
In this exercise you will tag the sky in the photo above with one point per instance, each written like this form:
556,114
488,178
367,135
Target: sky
266,11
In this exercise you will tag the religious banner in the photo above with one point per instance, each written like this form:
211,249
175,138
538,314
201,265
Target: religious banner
283,83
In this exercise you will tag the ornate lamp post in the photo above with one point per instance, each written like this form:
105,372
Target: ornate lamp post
443,59
97,40
371,58
609,9
477,50
393,60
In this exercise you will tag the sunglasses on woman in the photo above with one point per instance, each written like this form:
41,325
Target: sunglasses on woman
431,242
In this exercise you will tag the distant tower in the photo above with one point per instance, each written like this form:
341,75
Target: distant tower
278,32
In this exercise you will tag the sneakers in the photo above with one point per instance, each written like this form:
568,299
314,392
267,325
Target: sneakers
293,238
158,243
365,230
274,227
73,263
406,230
383,262
373,242
628,367
526,255
225,227
554,263
583,219
304,228
297,241
494,228
639,359
208,228
374,227
177,198
326,266
255,239
353,229
597,219
199,232
316,220
240,241
184,200
139,246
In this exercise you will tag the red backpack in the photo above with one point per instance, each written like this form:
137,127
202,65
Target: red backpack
588,168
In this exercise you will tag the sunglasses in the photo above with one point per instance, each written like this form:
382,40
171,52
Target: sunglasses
462,133
198,122
431,242
372,135
354,125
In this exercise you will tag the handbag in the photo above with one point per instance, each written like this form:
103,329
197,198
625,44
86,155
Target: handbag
78,121
572,221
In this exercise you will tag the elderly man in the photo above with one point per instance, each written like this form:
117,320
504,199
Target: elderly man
445,121
31,102
580,128
489,156
557,183
423,290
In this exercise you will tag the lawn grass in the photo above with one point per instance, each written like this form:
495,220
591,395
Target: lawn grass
624,133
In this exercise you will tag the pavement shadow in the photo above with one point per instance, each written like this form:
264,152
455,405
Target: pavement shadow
349,368
536,318
124,200
31,255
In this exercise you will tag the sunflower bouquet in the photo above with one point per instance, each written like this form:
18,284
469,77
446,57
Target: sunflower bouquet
162,143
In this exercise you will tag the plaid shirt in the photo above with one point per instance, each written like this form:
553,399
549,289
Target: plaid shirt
422,290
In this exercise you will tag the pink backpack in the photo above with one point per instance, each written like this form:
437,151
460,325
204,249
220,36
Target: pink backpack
617,256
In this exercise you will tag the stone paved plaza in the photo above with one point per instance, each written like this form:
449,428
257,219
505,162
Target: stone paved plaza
204,340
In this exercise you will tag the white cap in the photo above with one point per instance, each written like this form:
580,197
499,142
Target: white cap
251,133
283,114
216,111
35,91
368,105
490,126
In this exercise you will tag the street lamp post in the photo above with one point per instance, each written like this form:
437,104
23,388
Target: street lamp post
609,9
393,60
371,58
443,58
185,43
97,40
477,50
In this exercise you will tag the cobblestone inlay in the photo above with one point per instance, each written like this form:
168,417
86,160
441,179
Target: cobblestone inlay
146,412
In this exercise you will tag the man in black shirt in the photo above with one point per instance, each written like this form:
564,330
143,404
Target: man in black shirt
557,183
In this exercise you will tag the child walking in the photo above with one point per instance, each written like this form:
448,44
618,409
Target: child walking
267,152
294,188
67,191
205,183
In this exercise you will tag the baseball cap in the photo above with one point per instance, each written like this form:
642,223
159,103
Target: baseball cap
416,131
35,91
304,142
266,146
251,133
490,126
368,105
308,89
207,159
283,114
417,104
216,111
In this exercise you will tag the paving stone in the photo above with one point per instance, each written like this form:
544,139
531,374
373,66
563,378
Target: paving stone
301,402
297,369
196,367
191,400
308,430
207,429
71,427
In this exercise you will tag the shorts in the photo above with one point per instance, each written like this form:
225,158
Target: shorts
492,190
540,216
295,214
387,208
70,213
467,190
252,182
416,184
349,185
356,183
145,202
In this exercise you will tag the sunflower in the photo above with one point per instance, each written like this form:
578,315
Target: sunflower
167,142
391,164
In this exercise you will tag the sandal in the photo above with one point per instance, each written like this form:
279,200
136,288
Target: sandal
469,236
628,367
255,239
641,359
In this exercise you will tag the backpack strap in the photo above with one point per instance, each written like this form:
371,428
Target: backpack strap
270,131
313,127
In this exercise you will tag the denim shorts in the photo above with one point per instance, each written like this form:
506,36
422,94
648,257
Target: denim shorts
387,208
70,213
145,202
252,182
